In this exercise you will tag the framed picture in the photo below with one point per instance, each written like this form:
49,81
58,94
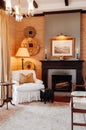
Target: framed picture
62,48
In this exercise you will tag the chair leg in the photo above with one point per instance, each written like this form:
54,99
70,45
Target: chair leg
71,113
72,121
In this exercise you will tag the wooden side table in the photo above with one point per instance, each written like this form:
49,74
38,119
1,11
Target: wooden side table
8,99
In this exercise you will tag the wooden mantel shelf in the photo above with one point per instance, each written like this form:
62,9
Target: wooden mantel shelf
61,64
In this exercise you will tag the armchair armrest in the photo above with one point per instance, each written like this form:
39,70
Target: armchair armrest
15,82
78,100
78,94
74,86
38,81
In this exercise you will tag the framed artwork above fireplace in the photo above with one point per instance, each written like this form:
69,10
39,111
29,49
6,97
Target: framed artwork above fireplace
62,47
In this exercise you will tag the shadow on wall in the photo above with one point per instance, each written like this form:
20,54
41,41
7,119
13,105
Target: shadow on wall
29,63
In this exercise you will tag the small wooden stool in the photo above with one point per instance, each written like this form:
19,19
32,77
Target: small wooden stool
47,95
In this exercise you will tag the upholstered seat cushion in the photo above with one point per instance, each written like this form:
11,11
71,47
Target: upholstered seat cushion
78,93
29,87
79,99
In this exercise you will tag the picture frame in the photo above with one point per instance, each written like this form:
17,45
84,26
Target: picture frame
62,48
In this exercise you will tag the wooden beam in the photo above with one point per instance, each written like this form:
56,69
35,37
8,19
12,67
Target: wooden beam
66,2
2,4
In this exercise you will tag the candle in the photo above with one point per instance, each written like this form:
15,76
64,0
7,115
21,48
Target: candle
77,51
45,51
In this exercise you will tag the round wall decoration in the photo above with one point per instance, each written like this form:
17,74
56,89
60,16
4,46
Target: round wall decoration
29,31
29,65
32,45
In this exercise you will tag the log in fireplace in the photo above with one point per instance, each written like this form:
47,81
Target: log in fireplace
62,83
62,64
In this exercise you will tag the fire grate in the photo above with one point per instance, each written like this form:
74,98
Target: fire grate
62,83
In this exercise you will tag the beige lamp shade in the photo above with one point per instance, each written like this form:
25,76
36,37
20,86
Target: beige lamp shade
22,53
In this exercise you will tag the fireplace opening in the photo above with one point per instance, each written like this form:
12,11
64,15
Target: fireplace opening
62,83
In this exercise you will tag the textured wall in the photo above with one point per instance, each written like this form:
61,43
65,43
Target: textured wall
17,35
66,23
83,36
83,41
38,24
12,35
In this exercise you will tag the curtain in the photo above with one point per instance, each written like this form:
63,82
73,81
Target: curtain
4,51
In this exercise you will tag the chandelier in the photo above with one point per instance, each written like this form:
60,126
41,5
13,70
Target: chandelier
16,11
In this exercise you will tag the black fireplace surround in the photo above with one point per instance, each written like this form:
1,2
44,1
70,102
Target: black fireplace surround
62,64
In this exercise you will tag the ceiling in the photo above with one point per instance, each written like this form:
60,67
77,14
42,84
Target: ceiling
53,5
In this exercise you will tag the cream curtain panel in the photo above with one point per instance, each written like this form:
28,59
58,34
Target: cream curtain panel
4,51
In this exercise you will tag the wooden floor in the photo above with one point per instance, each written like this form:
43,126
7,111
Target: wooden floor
62,98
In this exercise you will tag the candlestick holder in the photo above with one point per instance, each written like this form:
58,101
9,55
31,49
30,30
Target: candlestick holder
77,53
45,56
77,56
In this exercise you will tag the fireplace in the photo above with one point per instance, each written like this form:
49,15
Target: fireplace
73,65
62,72
62,83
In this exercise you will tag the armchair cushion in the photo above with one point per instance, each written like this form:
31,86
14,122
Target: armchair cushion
29,87
38,81
26,78
79,99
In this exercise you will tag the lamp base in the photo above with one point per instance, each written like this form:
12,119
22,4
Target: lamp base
22,63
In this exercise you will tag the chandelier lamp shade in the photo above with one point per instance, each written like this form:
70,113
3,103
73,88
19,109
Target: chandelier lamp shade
22,53
16,10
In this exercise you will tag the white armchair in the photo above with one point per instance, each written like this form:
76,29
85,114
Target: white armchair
26,86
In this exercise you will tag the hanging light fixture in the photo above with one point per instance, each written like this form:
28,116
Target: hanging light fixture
17,11
18,14
8,6
30,8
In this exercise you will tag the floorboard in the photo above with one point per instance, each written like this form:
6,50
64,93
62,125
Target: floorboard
62,99
62,96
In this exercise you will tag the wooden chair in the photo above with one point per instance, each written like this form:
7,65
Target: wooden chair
78,105
78,102
80,87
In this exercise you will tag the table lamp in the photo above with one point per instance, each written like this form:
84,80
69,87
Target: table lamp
22,53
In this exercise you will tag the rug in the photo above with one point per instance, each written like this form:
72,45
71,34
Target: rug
38,116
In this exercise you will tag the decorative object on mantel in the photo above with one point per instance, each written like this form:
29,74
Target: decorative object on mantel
32,45
29,31
62,46
61,58
77,54
45,54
